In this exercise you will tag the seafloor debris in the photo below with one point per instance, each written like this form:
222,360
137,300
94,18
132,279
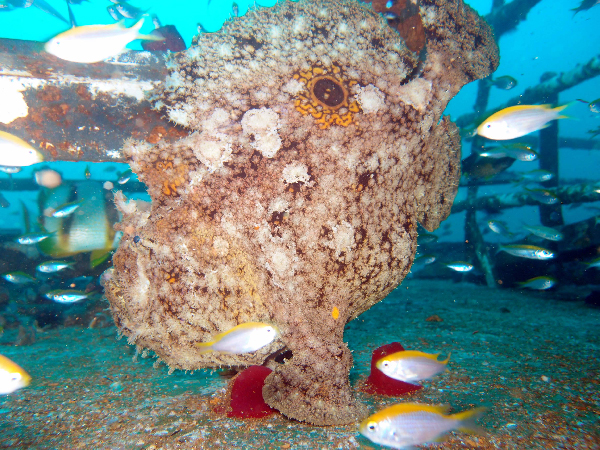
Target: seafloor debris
315,147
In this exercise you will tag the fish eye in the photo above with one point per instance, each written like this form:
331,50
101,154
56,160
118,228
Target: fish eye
386,363
15,376
371,426
489,125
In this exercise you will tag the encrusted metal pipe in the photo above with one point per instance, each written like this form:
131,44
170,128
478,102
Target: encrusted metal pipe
80,112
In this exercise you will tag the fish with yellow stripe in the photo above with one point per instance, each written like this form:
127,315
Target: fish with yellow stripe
89,229
405,425
95,43
411,366
243,338
516,121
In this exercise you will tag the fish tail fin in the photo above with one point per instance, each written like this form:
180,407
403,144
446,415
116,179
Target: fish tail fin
97,257
560,108
146,37
467,420
136,26
150,37
445,361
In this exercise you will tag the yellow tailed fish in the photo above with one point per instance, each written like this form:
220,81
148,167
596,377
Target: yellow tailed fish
243,338
15,152
517,121
408,424
12,376
411,365
95,43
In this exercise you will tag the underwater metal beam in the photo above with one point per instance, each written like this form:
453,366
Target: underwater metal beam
28,184
577,193
507,17
548,88
563,142
80,112
507,177
550,215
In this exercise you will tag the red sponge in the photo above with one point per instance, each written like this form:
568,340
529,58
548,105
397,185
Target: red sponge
246,394
379,383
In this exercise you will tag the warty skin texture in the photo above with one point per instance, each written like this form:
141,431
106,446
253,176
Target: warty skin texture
272,212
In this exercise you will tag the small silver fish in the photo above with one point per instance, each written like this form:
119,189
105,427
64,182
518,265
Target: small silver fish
10,169
427,238
67,209
112,10
66,296
505,82
499,227
537,176
459,266
545,232
54,266
125,177
18,277
422,261
526,251
593,264
543,196
521,152
126,10
595,106
32,238
539,283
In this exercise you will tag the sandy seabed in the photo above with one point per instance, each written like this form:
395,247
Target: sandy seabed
532,358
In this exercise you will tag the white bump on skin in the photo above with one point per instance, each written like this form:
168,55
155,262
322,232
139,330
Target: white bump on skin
295,172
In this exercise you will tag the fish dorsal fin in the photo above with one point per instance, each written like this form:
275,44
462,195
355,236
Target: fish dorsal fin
408,408
412,354
97,257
